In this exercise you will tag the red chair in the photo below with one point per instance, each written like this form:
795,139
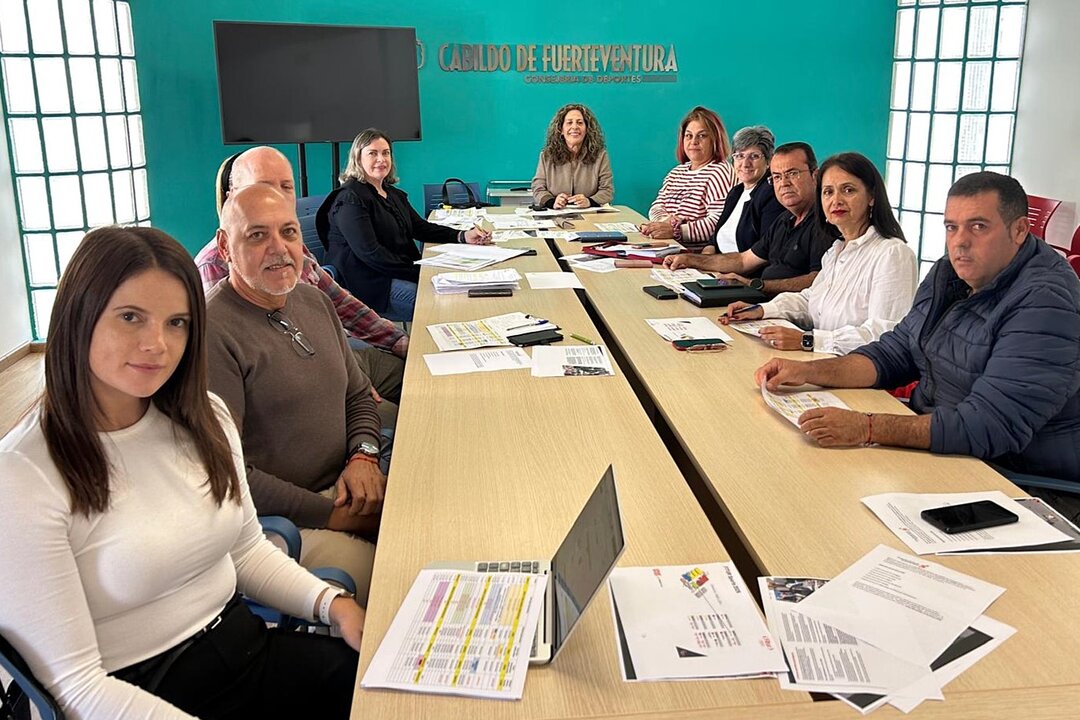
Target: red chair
1040,210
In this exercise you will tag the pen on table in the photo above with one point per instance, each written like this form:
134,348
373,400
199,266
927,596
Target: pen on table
539,321
585,340
748,308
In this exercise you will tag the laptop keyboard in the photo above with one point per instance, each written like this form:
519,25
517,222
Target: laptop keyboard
525,566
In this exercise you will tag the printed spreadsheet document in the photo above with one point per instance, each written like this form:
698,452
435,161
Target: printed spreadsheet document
461,633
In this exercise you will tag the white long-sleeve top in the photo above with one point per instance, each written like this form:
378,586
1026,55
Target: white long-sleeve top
864,289
81,597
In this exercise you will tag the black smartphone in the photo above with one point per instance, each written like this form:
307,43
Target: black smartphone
969,516
661,292
540,337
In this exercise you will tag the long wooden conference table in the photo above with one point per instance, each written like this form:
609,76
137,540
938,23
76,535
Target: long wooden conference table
491,462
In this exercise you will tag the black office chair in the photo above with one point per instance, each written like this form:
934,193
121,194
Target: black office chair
24,689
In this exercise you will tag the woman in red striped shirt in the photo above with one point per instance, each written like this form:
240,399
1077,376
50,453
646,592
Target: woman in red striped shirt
692,197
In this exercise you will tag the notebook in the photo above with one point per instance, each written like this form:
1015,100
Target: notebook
576,572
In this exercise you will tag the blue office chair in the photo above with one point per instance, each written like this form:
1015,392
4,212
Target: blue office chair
24,689
306,208
289,535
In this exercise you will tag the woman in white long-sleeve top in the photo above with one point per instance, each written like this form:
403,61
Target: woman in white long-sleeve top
126,525
867,279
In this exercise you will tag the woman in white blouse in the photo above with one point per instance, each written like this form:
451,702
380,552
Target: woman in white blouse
126,524
867,279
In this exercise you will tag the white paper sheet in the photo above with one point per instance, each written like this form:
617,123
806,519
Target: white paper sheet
753,327
461,633
793,404
675,278
470,361
901,514
571,361
553,280
565,211
688,328
519,222
696,621
1051,517
822,658
501,236
592,263
901,604
557,234
625,228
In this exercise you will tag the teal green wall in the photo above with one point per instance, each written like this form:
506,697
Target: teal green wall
816,71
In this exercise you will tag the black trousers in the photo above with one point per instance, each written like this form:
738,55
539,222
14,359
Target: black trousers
242,669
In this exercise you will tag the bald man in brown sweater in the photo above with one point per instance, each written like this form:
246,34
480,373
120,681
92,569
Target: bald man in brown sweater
280,361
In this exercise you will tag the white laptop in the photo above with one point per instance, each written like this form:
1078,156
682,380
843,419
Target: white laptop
576,572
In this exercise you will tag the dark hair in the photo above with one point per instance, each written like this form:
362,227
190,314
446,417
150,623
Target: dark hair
881,214
786,148
713,125
555,145
105,259
354,170
224,180
1012,200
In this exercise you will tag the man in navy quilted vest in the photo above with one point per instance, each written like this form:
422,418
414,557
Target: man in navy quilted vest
993,339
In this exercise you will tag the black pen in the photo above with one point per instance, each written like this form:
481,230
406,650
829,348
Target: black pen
748,308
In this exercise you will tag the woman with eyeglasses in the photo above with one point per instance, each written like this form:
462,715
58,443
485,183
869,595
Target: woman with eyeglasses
751,205
867,279
126,523
691,198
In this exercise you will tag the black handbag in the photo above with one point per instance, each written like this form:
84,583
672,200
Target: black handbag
471,200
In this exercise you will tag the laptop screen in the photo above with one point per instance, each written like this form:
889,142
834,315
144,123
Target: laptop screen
586,557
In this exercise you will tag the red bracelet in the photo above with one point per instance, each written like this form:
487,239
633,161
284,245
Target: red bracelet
869,428
362,456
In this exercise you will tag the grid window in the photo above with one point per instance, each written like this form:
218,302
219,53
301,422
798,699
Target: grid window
70,99
956,80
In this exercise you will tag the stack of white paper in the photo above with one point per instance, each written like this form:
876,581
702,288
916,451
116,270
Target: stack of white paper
468,257
684,622
470,361
462,282
901,513
891,628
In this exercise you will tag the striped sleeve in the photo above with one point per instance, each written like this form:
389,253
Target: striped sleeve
713,187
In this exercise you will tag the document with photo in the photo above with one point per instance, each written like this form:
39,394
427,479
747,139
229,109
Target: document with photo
901,514
571,361
902,604
1048,515
792,404
822,658
689,621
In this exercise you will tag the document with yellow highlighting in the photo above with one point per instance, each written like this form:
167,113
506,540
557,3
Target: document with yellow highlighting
461,633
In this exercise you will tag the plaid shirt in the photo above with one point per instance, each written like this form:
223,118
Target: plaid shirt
359,321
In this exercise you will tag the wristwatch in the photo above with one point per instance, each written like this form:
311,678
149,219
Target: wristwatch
365,448
756,284
807,341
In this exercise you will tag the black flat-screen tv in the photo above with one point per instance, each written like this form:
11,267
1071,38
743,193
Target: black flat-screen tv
283,83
